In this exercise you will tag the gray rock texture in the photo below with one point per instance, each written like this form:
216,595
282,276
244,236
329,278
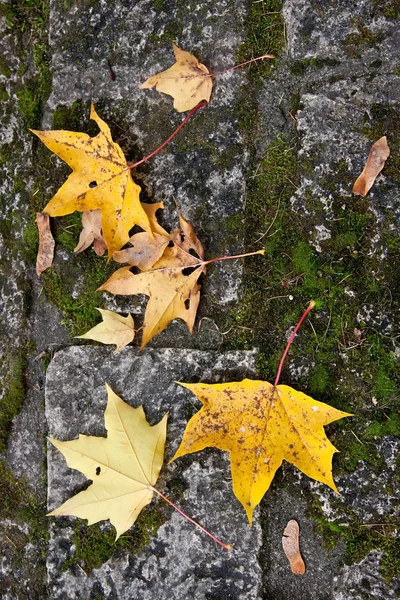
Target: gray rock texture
179,562
269,163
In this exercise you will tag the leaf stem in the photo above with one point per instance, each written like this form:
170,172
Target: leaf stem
295,330
186,119
226,546
208,262
247,62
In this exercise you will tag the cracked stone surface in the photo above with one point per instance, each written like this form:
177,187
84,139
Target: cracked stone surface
179,561
339,63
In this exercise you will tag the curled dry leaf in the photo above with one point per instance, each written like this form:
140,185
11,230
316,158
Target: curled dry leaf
374,165
45,253
100,180
291,547
187,81
91,233
172,294
115,329
124,466
144,251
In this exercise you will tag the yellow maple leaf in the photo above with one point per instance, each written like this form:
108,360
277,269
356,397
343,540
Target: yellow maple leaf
187,81
261,425
114,329
172,293
100,180
124,466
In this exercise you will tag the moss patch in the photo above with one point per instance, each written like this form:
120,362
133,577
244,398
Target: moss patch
265,35
14,394
23,17
79,310
96,544
20,505
355,43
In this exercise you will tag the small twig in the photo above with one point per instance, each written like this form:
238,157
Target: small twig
357,438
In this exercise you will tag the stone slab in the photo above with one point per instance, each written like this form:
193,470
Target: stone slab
179,562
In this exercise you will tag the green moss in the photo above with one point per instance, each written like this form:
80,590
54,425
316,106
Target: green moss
31,16
14,394
96,544
384,119
359,538
389,8
265,35
4,68
80,313
72,118
356,43
3,93
20,505
29,105
30,240
299,67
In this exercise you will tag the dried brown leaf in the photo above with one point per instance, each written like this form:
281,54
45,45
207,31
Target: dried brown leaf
91,233
290,543
144,251
45,253
374,165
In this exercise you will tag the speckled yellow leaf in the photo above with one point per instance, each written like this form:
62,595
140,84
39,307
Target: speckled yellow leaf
187,81
114,329
261,425
99,180
124,466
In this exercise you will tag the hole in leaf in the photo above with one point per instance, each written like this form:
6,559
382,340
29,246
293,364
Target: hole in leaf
187,303
188,270
170,244
93,184
98,470
193,253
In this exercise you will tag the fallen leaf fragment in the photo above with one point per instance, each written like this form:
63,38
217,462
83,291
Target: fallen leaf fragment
91,233
172,293
261,425
374,165
45,255
144,250
187,81
114,329
100,180
291,547
124,466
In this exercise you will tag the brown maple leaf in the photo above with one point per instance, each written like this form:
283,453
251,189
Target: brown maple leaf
45,253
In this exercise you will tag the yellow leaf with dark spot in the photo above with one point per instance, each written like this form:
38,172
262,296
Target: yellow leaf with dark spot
99,180
124,466
261,425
